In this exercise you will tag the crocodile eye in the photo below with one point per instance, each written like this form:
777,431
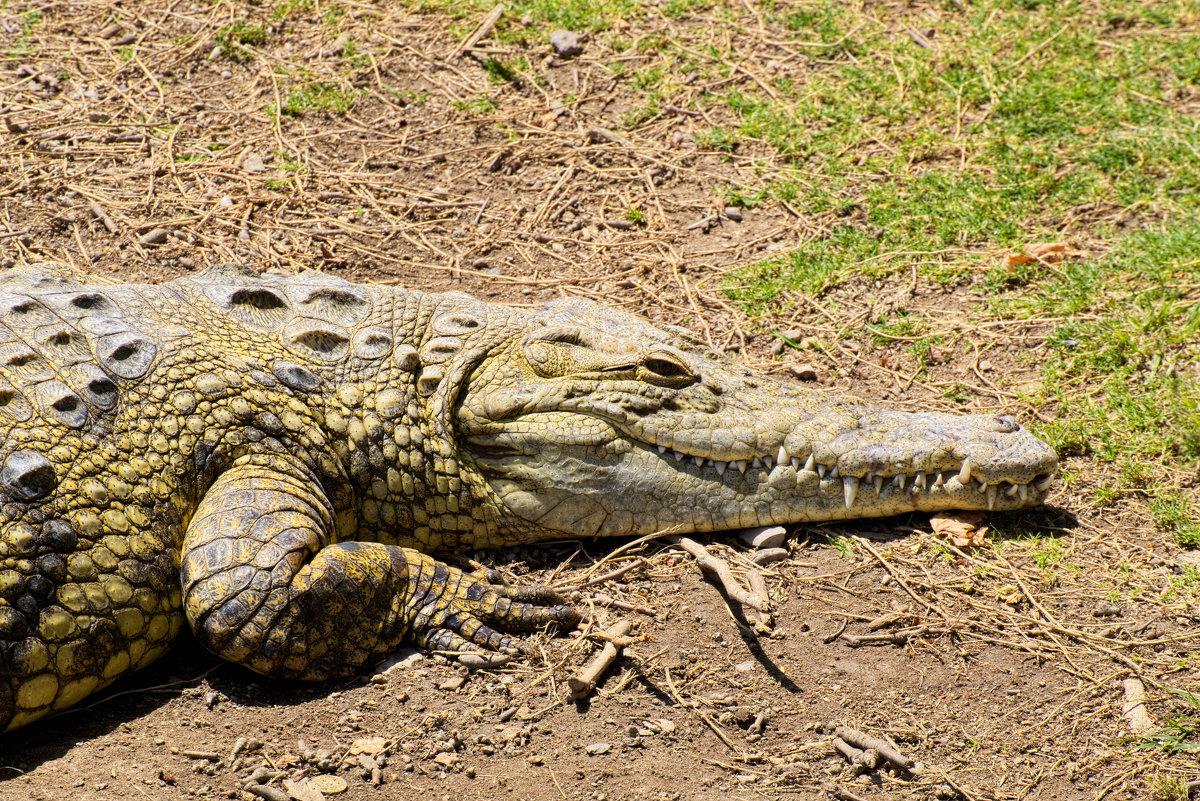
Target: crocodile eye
661,369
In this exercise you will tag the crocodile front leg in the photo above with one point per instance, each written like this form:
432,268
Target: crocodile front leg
265,586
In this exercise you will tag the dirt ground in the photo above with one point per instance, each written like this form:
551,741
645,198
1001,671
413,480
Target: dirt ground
138,148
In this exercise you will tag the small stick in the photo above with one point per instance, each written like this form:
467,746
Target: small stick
607,600
614,574
862,761
721,568
866,742
482,30
100,214
561,210
585,682
886,638
1134,708
758,585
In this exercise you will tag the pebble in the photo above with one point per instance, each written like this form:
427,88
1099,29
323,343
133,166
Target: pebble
733,213
452,684
155,236
253,163
744,667
764,536
1106,609
803,372
330,785
566,44
596,749
768,555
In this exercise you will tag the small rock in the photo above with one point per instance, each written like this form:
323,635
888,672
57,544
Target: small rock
566,44
596,749
733,213
155,236
447,758
253,163
768,555
744,667
764,536
329,784
803,372
1106,609
452,684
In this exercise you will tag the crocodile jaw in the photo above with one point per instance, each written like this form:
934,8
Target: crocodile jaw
616,484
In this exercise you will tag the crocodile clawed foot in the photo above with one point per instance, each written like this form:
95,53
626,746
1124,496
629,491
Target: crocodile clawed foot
466,615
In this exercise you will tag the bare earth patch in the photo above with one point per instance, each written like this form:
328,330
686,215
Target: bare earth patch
148,140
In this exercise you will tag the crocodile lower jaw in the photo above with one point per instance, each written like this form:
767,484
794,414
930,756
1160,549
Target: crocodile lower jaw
906,483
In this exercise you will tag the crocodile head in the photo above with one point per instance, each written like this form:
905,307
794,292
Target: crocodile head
594,422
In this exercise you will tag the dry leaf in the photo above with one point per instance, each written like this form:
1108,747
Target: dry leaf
1010,594
1046,253
303,790
960,529
368,745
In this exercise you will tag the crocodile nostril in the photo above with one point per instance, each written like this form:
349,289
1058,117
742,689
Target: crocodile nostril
1005,424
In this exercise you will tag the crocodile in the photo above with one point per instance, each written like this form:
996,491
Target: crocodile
271,460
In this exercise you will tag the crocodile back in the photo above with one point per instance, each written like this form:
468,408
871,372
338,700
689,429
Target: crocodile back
85,574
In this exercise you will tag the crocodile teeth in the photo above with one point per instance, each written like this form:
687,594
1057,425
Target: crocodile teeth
939,481
767,463
796,463
964,475
720,467
850,487
991,496
899,482
698,461
678,456
1023,491
1045,482
821,471
809,464
741,465
756,463
782,456
919,481
662,449
1011,491
878,484
833,471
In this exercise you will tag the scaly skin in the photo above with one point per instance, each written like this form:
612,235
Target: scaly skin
270,460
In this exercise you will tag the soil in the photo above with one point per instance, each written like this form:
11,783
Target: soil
138,150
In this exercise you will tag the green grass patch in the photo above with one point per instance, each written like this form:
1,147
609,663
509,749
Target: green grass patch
480,104
1021,114
544,15
235,39
1181,732
320,97
1176,516
1131,334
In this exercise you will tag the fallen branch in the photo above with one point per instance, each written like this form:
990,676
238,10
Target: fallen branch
866,742
481,30
1134,708
585,682
721,568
